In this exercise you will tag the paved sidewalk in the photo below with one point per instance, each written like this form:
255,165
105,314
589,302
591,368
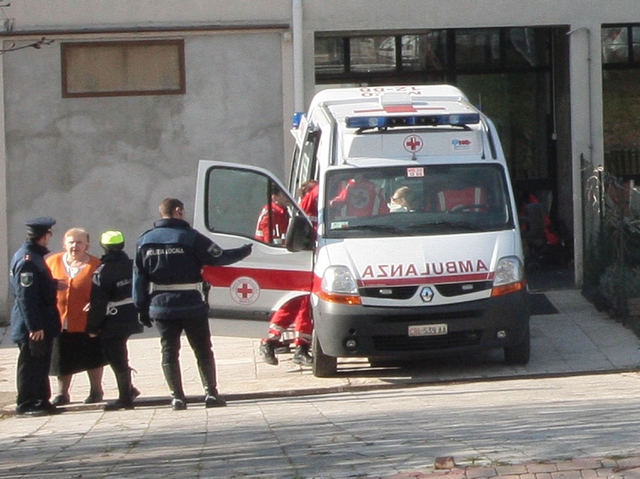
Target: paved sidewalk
576,341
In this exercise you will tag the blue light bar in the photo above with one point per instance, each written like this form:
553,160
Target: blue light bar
297,118
412,120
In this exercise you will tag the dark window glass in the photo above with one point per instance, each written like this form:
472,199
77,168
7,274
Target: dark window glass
329,55
478,47
424,52
372,54
615,45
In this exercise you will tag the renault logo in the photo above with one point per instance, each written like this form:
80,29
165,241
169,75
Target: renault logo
426,294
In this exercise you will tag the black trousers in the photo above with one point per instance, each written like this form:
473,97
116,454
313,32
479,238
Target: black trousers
32,378
198,335
116,353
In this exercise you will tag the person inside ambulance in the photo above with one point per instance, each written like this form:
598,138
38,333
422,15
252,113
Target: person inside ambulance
400,200
274,218
470,199
360,197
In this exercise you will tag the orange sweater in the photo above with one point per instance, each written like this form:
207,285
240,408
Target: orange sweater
77,295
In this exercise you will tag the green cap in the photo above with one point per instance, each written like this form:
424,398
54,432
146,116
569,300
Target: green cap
111,238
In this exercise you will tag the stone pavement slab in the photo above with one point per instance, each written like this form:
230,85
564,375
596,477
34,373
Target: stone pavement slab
577,340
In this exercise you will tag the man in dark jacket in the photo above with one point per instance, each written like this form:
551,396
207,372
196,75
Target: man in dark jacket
168,289
112,315
35,320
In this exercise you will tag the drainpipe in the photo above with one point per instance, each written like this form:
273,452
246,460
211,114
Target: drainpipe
578,187
298,64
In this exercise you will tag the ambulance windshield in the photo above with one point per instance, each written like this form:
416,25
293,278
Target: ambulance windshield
417,200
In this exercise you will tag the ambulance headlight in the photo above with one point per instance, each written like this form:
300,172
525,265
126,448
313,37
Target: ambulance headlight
338,279
509,277
509,270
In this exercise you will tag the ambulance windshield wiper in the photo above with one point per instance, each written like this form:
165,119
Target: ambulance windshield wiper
384,228
457,224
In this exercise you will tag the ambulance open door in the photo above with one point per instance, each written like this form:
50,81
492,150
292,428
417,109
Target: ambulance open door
230,199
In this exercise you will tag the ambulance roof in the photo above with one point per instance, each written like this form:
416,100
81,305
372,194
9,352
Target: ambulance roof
415,121
398,106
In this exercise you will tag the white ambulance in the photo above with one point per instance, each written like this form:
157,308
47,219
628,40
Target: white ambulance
417,250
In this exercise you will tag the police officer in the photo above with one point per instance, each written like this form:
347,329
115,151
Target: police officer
35,320
168,289
112,315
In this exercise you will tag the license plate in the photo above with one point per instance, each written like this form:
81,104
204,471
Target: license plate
428,330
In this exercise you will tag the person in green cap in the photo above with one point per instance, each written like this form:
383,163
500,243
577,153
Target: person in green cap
112,315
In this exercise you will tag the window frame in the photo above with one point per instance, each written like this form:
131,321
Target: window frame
67,47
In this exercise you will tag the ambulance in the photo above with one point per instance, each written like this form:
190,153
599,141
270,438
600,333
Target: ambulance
416,249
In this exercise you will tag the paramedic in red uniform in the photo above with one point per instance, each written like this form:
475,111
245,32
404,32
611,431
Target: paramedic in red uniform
298,310
360,197
274,218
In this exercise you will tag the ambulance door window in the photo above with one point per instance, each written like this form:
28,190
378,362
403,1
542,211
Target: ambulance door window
308,159
234,200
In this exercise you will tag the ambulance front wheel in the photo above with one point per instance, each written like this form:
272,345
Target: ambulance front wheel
519,354
323,366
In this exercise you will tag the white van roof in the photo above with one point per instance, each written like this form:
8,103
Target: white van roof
357,110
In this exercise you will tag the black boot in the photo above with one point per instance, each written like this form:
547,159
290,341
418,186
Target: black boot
173,376
207,370
267,352
301,356
125,395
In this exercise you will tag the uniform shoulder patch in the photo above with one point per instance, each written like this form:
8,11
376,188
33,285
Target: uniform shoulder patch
26,279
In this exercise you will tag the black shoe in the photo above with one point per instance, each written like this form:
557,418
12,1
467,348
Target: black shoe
49,408
178,404
268,353
60,400
302,357
94,398
31,412
118,404
213,400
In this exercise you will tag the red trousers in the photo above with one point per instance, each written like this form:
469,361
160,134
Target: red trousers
296,312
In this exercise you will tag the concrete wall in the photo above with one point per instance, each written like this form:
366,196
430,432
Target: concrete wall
107,162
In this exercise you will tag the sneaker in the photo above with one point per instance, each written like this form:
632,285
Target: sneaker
213,400
268,353
60,400
178,404
302,357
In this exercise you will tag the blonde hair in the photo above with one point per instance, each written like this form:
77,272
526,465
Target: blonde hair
76,231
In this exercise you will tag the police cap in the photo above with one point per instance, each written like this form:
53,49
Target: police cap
110,238
40,225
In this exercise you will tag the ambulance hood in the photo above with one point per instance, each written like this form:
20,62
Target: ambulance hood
414,260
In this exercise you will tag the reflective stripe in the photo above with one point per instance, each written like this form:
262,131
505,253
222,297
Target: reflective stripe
175,287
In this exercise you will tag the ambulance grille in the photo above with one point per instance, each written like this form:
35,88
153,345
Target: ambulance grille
397,292
457,289
459,339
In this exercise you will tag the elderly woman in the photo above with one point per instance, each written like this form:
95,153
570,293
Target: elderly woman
75,351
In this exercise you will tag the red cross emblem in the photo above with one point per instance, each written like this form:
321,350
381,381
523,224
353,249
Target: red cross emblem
413,143
244,290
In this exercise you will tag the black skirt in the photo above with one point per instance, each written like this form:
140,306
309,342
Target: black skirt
74,353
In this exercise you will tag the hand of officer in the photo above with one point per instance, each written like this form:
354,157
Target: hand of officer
144,319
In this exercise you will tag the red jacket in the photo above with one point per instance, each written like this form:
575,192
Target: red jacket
279,223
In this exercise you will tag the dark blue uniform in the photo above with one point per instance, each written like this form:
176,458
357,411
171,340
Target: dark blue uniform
114,318
168,286
34,309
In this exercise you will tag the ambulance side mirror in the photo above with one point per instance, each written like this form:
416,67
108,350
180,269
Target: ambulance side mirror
300,234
